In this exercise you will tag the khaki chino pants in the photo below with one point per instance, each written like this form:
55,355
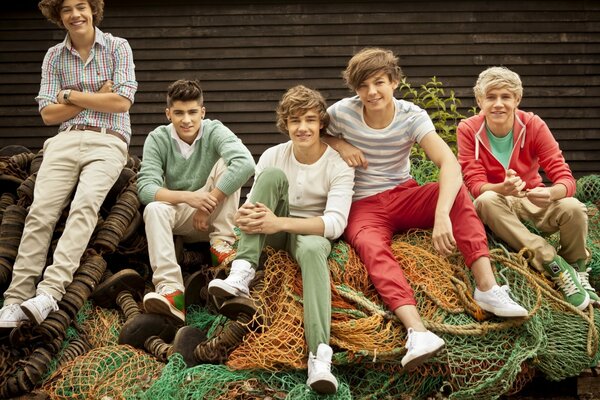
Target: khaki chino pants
503,214
85,161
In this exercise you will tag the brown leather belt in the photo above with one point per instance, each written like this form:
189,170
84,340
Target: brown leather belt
96,129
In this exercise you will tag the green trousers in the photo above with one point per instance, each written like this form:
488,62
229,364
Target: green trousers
309,251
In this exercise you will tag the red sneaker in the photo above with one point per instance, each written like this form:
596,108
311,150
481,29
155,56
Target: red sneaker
166,301
221,251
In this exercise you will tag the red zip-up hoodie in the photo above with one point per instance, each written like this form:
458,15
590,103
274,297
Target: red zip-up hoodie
533,147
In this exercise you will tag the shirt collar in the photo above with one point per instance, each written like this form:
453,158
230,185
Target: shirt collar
98,38
185,149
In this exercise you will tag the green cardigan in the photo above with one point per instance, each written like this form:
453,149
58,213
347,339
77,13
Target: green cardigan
164,166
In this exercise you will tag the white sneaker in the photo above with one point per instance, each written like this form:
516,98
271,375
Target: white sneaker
498,302
236,284
420,346
38,308
11,315
320,379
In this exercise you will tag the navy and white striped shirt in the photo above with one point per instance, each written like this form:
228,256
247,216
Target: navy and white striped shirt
387,150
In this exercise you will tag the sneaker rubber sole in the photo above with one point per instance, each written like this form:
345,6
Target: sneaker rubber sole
419,360
220,288
8,324
154,303
32,313
501,312
583,305
323,386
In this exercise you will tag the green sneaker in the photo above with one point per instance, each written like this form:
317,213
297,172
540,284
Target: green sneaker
584,278
567,280
166,301
221,251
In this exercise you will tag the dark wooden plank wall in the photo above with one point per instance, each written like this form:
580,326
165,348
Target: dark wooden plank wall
246,54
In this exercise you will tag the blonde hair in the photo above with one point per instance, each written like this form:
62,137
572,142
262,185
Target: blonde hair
369,61
298,100
498,78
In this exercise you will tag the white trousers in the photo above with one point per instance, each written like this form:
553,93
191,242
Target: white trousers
163,220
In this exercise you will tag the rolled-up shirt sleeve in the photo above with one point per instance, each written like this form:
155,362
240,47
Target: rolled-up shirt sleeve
124,72
50,82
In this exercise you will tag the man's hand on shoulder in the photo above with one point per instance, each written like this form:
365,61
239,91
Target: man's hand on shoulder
353,156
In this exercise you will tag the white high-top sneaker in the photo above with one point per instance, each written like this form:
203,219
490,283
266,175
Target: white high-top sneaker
11,315
320,378
38,308
236,284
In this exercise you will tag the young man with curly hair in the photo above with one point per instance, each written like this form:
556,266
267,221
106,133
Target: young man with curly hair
87,87
299,202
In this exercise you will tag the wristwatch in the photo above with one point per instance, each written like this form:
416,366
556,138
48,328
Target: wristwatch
66,94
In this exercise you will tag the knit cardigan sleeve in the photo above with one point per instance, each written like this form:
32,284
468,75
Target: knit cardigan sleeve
151,174
239,161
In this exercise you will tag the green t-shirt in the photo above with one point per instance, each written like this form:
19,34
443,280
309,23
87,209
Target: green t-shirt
501,146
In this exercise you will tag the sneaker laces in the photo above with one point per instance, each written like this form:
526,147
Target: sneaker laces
239,274
566,283
502,294
238,277
584,279
12,311
319,365
46,303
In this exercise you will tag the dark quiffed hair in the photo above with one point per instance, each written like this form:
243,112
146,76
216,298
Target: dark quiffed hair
51,10
184,90
298,100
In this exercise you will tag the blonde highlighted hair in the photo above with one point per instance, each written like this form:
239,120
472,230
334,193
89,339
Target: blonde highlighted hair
369,61
498,78
297,101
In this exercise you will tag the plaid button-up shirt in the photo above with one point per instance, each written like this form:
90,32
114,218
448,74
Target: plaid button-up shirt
110,58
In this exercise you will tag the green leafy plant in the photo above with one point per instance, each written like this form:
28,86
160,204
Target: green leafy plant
442,109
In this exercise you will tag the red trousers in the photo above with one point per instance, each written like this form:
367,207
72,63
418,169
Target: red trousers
374,220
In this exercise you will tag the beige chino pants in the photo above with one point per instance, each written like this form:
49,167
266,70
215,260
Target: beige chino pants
163,220
85,161
503,214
